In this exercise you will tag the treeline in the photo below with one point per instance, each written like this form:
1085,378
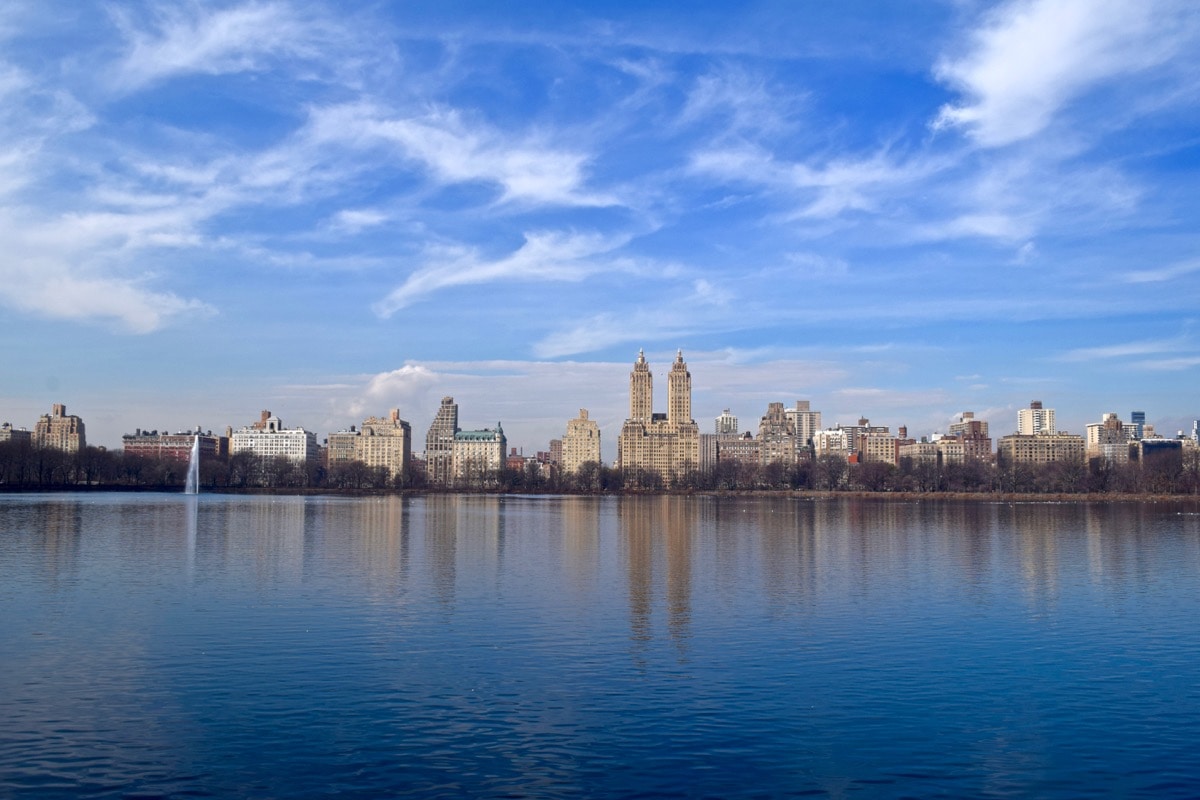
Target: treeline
26,467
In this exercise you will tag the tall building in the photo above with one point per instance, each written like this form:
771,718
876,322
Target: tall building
59,431
386,442
439,443
269,439
805,422
726,424
973,435
477,456
1138,420
341,447
581,443
1035,420
668,444
1109,439
777,436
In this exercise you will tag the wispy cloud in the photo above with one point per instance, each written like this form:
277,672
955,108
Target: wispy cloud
1031,58
1137,349
544,256
1163,274
192,37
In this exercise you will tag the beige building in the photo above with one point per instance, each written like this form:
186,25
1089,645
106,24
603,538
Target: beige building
59,431
879,447
17,435
668,444
581,443
1041,448
804,421
341,447
386,442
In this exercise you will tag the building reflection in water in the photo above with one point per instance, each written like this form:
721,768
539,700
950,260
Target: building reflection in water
656,536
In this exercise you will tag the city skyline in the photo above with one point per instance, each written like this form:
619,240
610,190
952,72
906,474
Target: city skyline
895,213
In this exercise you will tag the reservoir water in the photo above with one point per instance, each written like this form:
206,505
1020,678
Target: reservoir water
450,646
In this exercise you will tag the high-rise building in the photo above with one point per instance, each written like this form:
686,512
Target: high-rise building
341,447
1138,420
1035,420
386,442
581,443
269,439
439,443
59,431
777,436
805,422
666,444
1109,439
726,424
973,435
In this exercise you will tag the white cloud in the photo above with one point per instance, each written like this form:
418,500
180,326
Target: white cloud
1163,274
191,37
1033,57
1145,347
528,167
544,256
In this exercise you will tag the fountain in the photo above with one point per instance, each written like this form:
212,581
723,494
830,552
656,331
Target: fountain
193,474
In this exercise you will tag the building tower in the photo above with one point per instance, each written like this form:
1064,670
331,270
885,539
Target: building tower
641,390
581,443
726,424
679,392
1035,420
1138,418
60,431
439,443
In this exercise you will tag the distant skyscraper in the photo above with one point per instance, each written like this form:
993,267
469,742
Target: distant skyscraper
385,442
726,423
1035,420
1109,439
439,443
581,443
58,431
805,422
1138,419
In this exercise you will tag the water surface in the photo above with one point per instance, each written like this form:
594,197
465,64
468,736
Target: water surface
571,647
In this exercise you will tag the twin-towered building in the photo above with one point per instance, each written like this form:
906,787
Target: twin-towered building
668,444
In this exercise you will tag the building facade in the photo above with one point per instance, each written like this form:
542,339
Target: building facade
1109,439
386,442
581,443
60,431
439,443
477,456
15,435
1041,448
268,438
175,446
669,444
1035,420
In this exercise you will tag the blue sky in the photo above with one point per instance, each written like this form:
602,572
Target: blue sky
900,210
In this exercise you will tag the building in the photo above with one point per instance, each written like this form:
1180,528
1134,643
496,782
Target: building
174,446
341,447
1138,420
805,422
879,447
477,456
15,435
439,443
581,443
1109,439
386,442
972,434
1041,448
268,438
58,431
1035,420
665,444
726,424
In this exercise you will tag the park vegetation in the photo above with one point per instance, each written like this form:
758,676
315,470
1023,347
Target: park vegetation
26,467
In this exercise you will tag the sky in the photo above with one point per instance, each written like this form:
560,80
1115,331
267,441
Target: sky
893,210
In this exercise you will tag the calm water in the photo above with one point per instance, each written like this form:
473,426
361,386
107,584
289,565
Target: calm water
566,647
